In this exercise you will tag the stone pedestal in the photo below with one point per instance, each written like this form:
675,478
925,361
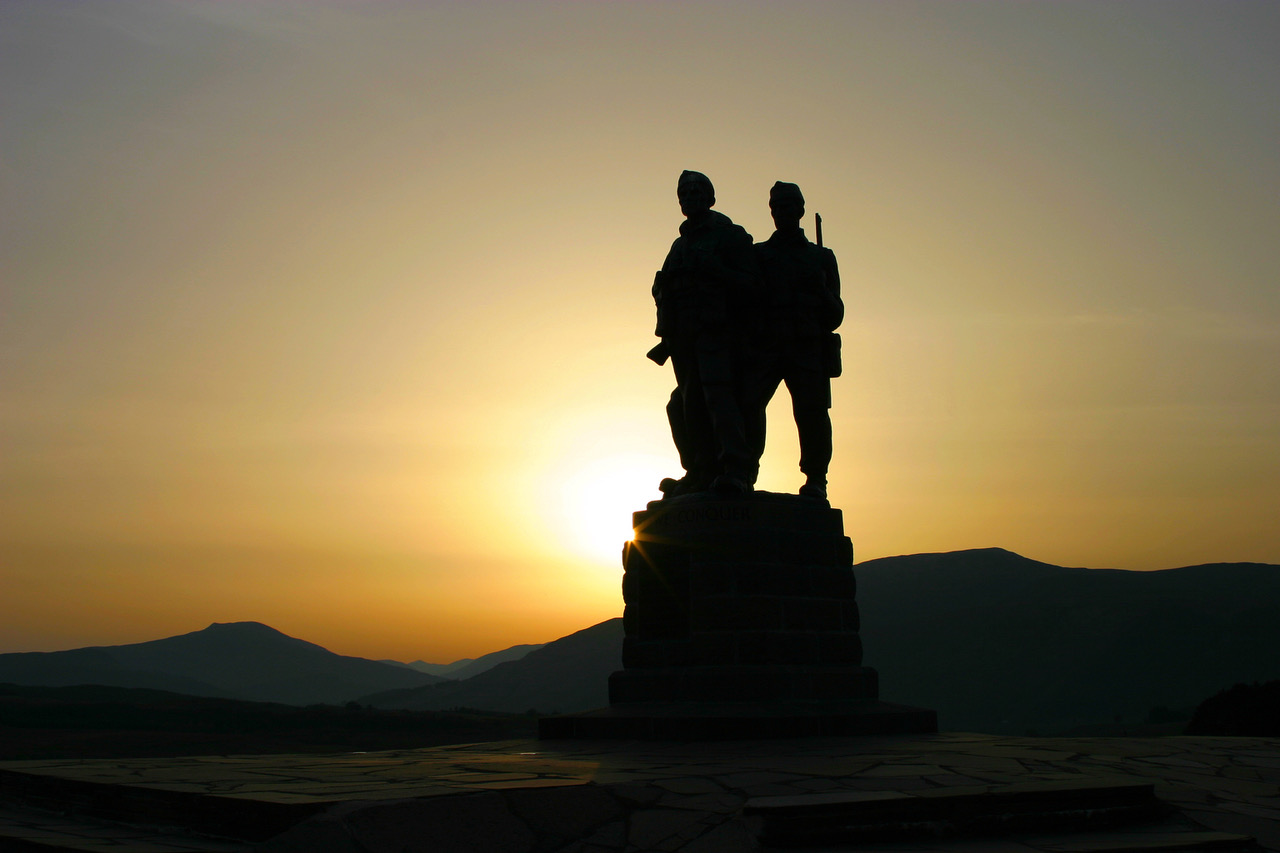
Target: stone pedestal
741,620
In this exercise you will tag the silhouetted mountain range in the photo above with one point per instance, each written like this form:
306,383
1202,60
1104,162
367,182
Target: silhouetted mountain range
570,674
468,667
237,660
993,641
1000,643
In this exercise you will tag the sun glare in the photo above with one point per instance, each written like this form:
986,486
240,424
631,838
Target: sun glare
598,499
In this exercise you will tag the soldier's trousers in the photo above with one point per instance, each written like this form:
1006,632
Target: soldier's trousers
708,419
810,391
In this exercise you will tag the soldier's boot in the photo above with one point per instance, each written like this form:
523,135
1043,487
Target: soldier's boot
815,487
729,486
687,485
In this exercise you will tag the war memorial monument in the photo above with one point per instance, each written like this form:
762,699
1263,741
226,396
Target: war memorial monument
741,626
741,616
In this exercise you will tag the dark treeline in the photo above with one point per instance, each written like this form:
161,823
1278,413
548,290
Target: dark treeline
1243,710
109,722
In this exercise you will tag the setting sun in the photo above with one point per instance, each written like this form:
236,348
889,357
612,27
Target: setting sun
597,500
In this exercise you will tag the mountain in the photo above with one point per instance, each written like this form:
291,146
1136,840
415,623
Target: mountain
993,641
237,660
467,667
570,674
1000,643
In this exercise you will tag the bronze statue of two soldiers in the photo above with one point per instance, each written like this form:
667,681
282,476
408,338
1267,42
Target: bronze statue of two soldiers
737,320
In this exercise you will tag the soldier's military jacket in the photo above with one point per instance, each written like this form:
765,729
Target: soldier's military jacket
802,289
708,279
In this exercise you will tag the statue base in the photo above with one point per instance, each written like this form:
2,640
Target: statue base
741,621
738,721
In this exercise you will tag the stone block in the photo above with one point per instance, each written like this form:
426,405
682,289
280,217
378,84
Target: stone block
841,684
692,519
735,613
812,614
778,647
656,559
828,582
743,683
656,620
728,684
712,647
842,647
712,577
812,549
776,579
652,653
850,618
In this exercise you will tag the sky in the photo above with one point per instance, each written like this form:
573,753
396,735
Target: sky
332,315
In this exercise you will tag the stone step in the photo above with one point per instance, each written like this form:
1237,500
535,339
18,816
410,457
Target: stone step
706,721
195,811
27,829
985,810
1160,839
1140,840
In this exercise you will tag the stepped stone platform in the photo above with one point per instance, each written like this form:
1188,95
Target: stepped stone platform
741,621
944,793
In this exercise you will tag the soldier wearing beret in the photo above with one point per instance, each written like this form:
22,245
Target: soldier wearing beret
794,325
702,294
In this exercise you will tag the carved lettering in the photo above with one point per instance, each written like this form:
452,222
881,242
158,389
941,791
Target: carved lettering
699,514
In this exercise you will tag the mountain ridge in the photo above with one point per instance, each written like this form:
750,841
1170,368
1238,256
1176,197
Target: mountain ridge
993,640
229,660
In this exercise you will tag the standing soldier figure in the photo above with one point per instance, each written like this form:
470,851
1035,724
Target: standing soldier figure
701,295
795,325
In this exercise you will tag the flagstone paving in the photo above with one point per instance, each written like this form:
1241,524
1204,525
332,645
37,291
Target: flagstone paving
676,796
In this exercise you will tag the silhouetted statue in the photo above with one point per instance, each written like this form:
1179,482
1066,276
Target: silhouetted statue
795,332
703,294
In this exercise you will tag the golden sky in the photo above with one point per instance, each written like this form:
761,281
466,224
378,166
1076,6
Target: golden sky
332,315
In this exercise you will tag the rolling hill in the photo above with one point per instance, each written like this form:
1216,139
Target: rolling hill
993,641
237,660
570,674
1000,643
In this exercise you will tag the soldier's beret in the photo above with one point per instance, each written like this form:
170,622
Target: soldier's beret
782,189
687,176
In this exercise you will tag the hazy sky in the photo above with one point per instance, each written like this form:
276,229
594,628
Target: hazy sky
332,315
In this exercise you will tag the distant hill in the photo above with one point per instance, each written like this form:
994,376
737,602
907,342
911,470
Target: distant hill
570,674
467,667
993,641
999,643
105,722
238,660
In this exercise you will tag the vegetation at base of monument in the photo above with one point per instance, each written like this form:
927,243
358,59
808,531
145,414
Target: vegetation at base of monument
111,722
1243,710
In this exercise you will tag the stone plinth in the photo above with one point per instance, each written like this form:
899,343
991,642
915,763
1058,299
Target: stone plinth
741,615
740,601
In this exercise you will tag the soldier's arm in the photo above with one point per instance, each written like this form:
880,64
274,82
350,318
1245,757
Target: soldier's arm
742,261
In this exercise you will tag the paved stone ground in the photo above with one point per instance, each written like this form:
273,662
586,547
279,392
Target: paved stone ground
595,796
